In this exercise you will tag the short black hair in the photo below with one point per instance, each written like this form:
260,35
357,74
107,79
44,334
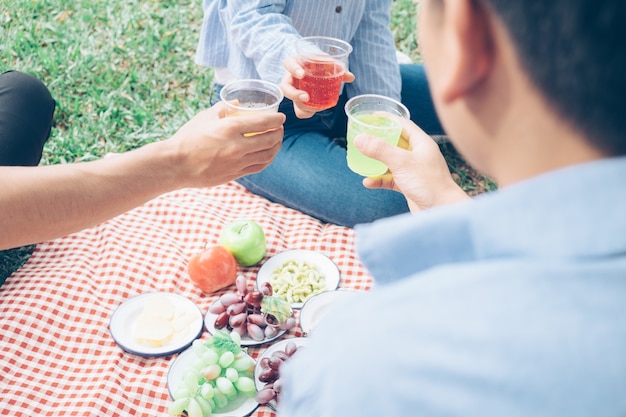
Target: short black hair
574,51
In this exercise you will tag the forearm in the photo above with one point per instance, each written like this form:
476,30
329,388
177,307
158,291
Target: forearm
41,203
264,34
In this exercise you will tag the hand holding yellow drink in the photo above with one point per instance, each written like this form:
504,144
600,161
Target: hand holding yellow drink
251,97
372,115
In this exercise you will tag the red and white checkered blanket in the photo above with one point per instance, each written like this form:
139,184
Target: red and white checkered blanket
57,355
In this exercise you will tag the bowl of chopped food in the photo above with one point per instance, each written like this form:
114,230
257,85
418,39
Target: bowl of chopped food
296,275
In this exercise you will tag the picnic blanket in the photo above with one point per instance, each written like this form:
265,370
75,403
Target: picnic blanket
57,354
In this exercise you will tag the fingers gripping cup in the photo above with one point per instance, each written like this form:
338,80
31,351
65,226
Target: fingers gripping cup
324,61
372,115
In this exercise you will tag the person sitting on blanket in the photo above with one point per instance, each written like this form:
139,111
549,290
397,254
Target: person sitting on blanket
512,303
44,202
253,39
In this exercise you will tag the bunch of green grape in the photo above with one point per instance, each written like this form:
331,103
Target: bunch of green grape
221,372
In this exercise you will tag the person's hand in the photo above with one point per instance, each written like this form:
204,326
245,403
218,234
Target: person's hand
417,168
211,149
300,97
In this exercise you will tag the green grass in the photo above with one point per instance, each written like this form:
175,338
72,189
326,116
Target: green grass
123,72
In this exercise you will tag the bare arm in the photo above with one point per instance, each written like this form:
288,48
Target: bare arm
40,203
417,169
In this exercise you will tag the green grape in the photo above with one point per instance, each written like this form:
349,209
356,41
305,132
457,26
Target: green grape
198,364
181,392
191,379
220,399
211,403
210,357
206,407
226,359
198,347
177,407
225,386
245,384
236,338
194,409
211,372
231,374
207,391
243,363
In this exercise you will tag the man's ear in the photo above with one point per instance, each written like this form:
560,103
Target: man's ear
469,55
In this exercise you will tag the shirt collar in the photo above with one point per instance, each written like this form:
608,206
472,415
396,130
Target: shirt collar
574,212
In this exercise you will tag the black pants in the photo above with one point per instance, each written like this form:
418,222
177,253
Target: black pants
26,109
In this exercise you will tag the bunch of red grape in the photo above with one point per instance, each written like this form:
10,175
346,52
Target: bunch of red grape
270,373
240,312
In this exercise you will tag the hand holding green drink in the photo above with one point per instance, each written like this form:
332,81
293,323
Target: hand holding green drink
372,115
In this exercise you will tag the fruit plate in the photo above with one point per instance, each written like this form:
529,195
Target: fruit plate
316,307
125,318
209,324
319,261
242,406
278,346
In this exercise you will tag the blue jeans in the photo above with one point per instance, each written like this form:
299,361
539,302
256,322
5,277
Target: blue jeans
310,173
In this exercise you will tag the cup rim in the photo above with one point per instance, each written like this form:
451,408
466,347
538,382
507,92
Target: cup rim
268,87
343,45
395,102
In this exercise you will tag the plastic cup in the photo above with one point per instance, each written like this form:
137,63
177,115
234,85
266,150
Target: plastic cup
324,61
373,115
251,97
248,97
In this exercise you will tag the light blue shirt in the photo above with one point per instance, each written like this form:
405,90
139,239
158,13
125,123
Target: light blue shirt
513,304
252,39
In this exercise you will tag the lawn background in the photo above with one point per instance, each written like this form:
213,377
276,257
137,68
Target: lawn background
123,72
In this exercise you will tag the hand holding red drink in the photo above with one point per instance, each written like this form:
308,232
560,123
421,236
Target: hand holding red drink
315,76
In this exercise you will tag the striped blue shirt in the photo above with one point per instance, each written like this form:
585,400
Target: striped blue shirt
252,39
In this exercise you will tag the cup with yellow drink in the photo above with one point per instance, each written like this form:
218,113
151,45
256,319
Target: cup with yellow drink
372,115
251,97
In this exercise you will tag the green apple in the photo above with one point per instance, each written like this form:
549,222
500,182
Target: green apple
245,239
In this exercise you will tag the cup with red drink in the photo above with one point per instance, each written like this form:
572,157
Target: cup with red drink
325,61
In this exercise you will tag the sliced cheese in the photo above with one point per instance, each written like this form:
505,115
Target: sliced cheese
162,321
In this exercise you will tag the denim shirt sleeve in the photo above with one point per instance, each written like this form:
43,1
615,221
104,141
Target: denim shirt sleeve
263,34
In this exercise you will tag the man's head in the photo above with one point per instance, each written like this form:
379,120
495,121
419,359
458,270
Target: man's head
573,51
569,52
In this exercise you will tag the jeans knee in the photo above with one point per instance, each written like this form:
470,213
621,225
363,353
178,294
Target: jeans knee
29,91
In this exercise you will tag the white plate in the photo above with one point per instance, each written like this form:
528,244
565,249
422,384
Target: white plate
318,305
242,406
124,318
320,261
209,324
299,341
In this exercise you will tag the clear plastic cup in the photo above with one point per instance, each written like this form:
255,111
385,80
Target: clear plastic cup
324,60
373,115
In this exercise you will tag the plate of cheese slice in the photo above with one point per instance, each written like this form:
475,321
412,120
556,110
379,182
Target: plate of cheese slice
156,324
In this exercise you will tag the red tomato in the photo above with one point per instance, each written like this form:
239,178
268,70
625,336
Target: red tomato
213,269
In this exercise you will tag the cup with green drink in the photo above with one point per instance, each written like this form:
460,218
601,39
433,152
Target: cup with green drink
372,115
